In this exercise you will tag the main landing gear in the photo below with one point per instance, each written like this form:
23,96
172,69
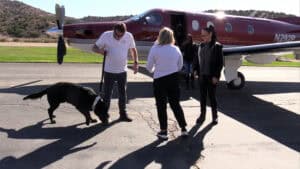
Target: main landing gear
237,83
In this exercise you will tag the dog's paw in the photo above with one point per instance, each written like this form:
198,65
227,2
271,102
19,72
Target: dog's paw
87,123
53,121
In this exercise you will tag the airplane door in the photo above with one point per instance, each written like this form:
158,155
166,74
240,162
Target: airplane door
178,25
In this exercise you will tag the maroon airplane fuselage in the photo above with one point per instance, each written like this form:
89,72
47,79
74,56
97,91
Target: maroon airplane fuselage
231,30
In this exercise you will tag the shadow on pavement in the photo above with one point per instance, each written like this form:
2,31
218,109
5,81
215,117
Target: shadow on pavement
68,138
180,153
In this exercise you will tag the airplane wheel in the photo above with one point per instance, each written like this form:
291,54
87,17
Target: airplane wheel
237,83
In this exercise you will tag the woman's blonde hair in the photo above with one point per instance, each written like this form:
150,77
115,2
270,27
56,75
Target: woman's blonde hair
165,36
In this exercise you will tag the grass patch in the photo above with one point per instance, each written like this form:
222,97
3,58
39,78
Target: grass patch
274,64
45,54
48,55
289,56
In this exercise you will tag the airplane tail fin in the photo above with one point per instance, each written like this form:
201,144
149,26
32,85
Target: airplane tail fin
36,95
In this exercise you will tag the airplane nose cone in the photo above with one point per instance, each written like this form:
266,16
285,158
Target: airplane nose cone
54,32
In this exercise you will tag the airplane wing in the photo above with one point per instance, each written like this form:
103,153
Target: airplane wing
253,49
259,54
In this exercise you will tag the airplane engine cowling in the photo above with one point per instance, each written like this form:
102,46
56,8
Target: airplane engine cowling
261,58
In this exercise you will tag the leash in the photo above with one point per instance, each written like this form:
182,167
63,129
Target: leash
102,74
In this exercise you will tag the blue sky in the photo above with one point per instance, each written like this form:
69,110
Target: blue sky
81,8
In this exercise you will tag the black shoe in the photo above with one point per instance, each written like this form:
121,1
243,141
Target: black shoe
215,121
105,122
162,135
184,132
125,118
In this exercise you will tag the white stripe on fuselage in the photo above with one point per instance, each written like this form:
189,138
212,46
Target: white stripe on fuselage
86,45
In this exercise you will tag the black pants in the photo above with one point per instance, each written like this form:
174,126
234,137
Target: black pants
166,89
206,87
109,80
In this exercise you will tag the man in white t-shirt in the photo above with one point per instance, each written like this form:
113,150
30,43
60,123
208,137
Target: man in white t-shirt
116,44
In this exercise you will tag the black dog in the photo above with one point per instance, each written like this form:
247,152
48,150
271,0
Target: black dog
83,98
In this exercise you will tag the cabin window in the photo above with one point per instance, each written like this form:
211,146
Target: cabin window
210,23
250,29
153,19
195,25
228,27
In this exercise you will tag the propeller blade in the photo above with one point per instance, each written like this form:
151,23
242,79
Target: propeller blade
61,46
60,15
61,50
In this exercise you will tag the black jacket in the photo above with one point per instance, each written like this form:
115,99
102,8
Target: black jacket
189,52
216,60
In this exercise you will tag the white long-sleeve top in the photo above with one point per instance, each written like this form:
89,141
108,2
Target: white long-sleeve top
164,60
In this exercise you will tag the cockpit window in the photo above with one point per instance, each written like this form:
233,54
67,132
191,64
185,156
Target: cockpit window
137,17
148,18
153,19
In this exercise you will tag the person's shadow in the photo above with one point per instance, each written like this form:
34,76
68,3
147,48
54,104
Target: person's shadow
67,139
180,153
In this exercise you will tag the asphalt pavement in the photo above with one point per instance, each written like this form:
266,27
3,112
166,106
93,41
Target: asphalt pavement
258,125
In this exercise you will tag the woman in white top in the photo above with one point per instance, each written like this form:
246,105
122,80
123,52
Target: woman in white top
165,60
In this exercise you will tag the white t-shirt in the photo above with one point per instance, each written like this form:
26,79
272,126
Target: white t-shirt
117,51
164,60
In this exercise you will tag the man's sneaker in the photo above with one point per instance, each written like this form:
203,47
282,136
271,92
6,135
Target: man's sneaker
125,118
184,132
162,135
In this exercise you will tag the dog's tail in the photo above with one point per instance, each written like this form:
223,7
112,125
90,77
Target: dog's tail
36,95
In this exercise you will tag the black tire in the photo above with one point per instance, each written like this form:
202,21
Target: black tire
232,84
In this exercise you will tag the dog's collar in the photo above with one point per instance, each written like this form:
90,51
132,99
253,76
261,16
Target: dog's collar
95,102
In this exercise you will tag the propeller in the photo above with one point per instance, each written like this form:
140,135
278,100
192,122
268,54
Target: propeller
61,46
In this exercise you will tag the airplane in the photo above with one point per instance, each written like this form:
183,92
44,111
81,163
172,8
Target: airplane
258,40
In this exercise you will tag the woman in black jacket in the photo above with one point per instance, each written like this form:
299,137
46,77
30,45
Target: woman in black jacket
208,65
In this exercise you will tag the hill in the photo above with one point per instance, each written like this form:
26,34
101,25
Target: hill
19,20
